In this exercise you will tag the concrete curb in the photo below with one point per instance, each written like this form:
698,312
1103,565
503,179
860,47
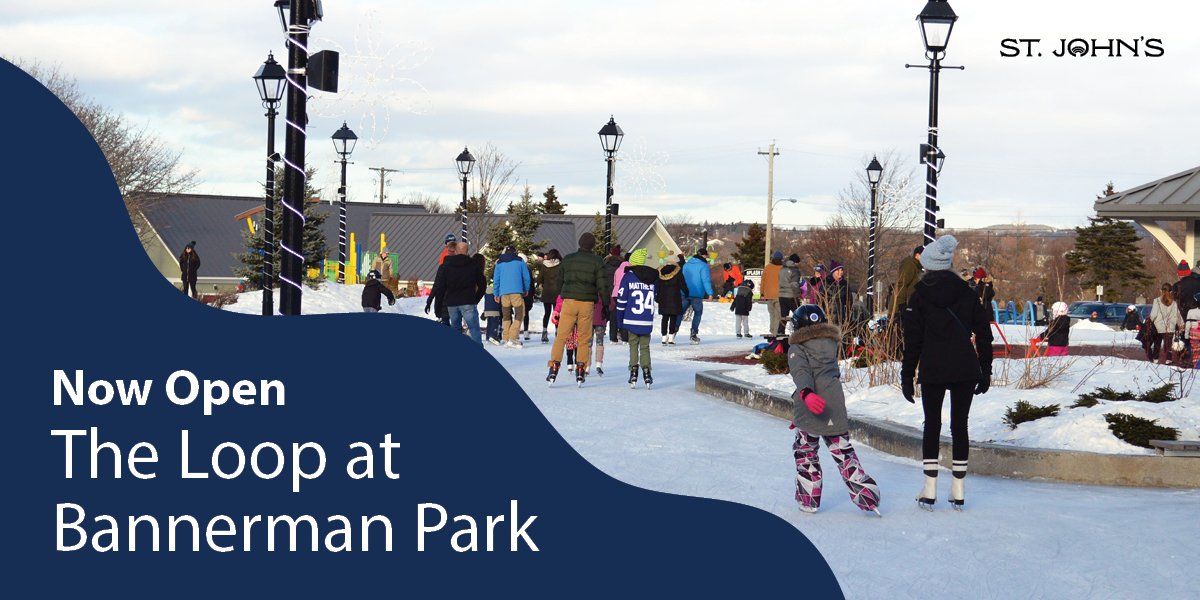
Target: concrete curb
986,459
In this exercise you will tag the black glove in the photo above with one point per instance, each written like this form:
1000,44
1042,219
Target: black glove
984,384
391,302
426,308
604,313
906,388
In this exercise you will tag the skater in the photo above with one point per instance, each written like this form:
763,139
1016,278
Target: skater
910,273
1185,291
618,275
612,262
599,324
459,286
572,336
583,284
743,301
698,278
819,411
439,307
548,278
770,292
1166,321
510,282
942,314
635,311
791,291
1058,333
1193,328
669,295
372,291
840,296
189,265
491,312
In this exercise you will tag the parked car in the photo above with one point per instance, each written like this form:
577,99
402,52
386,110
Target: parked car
1111,314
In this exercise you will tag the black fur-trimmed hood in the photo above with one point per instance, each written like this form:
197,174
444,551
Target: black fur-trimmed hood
812,332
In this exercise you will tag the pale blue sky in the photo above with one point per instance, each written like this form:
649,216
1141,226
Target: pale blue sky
698,86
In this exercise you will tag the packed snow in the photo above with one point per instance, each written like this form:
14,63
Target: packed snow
1016,538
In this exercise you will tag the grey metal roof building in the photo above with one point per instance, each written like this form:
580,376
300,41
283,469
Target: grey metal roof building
1172,198
414,236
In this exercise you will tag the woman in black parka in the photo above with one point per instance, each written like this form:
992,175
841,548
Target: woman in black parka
669,293
189,265
947,334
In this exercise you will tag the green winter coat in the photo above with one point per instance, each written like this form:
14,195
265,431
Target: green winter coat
812,360
582,277
549,271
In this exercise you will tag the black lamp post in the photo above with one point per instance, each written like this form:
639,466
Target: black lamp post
296,16
937,22
269,80
610,139
465,162
874,174
343,143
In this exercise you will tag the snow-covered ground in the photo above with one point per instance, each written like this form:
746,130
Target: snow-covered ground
1016,539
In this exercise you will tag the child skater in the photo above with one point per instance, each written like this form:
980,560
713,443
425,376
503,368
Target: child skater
743,301
819,410
491,312
599,324
635,313
572,336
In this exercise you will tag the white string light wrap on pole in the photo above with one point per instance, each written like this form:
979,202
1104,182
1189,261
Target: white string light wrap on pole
289,204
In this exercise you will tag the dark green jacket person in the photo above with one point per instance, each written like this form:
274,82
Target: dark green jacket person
582,274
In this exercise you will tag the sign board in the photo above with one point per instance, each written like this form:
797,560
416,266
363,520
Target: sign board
754,275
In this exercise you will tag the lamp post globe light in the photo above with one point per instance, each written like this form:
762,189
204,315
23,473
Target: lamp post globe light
610,139
465,161
937,22
874,174
771,227
270,83
343,143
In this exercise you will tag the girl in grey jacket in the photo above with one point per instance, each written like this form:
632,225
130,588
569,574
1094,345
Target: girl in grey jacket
819,411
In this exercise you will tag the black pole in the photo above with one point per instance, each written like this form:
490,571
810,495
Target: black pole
268,283
464,210
291,274
871,254
341,277
608,205
931,174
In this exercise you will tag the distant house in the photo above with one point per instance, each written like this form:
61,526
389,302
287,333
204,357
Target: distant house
413,236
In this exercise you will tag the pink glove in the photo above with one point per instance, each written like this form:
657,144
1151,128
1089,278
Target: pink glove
815,403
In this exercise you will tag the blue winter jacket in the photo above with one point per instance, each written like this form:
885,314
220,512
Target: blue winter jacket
511,276
698,278
635,300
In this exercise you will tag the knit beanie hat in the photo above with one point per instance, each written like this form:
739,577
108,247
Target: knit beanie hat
1183,270
587,241
638,257
980,273
834,266
939,254
777,255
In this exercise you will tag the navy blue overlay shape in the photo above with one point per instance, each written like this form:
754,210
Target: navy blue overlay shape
81,294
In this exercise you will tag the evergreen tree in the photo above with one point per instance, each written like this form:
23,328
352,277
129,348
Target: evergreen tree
551,205
1106,254
598,231
525,222
314,238
499,236
750,251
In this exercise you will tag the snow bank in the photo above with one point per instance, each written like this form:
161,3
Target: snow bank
1073,429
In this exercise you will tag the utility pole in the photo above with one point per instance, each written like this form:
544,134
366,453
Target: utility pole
383,171
770,154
